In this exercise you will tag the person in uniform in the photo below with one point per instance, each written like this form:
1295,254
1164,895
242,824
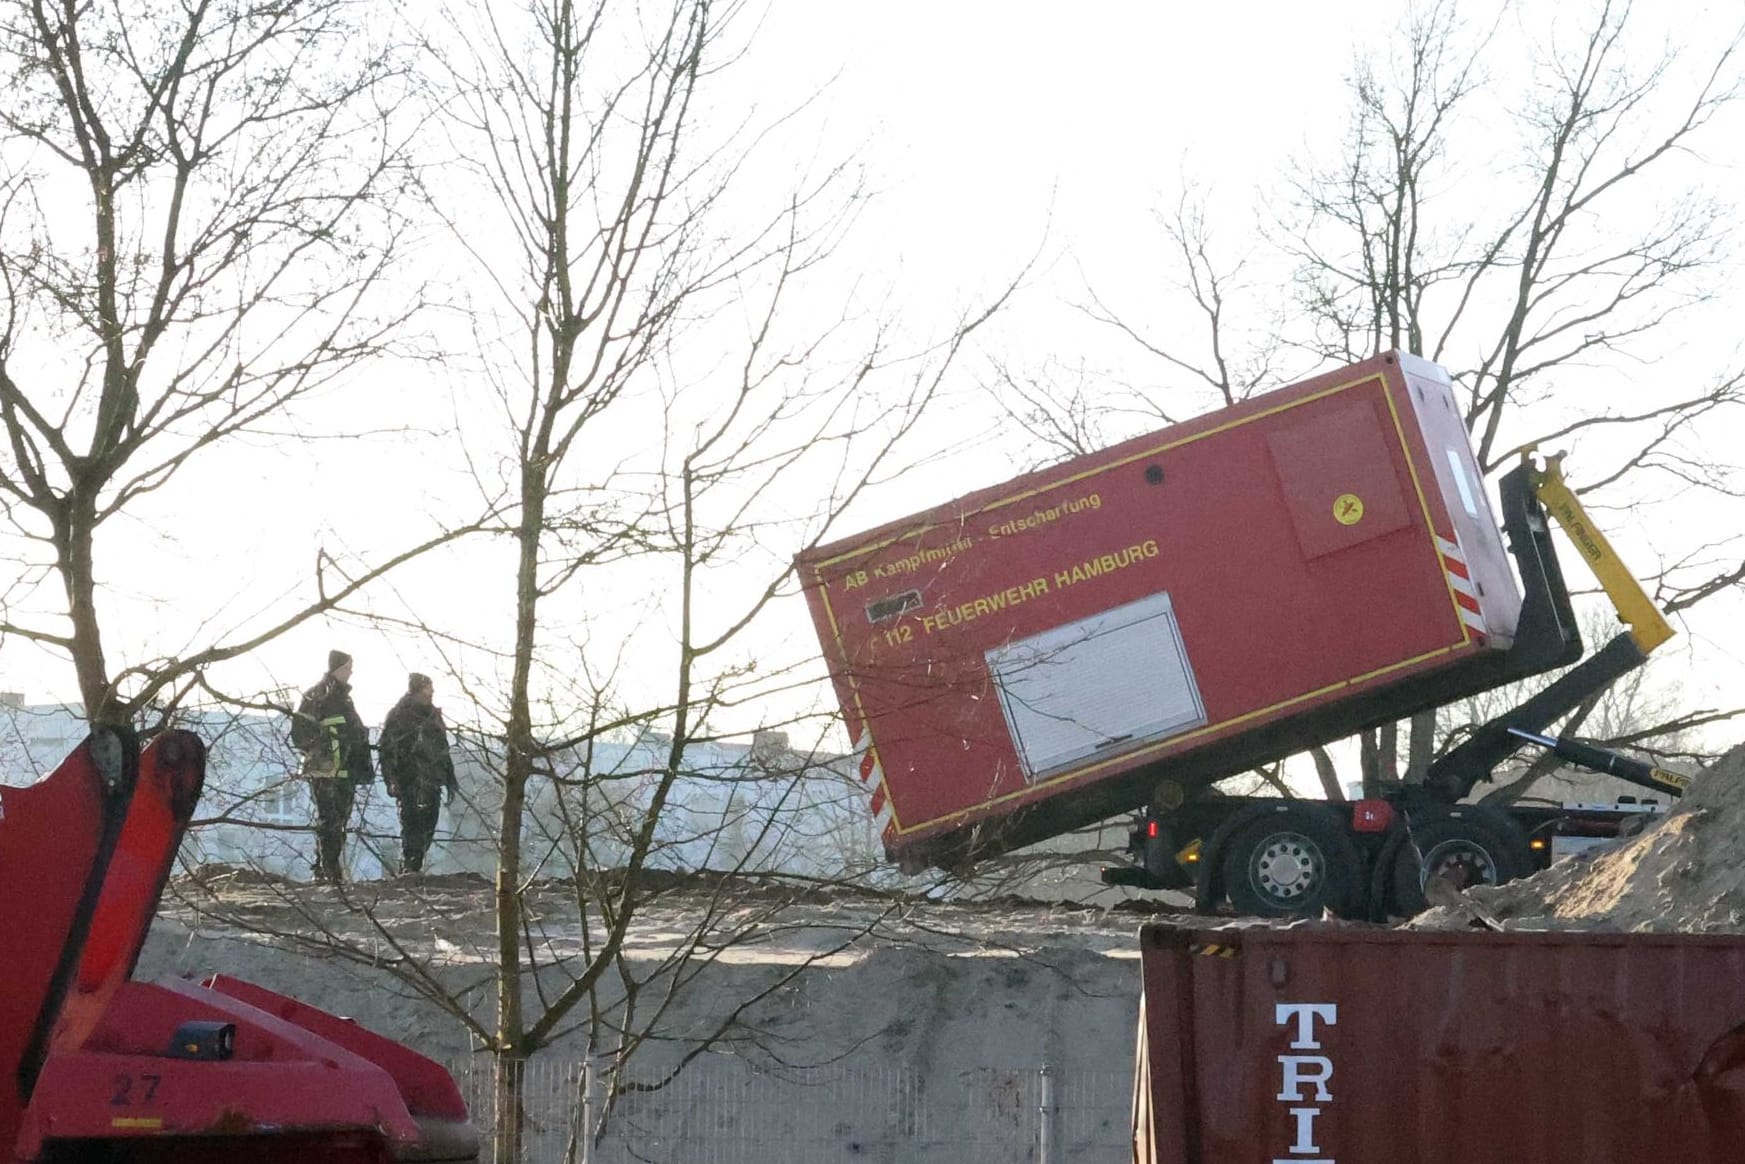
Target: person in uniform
336,759
416,766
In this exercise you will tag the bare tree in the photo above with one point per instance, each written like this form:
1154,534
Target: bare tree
673,415
1067,408
1210,287
198,208
1390,256
1364,232
1548,286
1520,282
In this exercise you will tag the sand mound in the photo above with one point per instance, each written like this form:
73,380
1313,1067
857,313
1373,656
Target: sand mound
1685,873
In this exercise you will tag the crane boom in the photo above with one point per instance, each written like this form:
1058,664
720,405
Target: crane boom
1453,776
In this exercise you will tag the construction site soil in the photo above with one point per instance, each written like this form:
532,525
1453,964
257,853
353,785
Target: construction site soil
1683,873
799,976
836,975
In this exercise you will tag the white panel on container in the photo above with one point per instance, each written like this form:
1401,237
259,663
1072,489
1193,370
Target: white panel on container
1460,482
1096,687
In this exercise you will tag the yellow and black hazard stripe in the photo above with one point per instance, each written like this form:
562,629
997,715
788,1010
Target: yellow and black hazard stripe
1213,950
1677,781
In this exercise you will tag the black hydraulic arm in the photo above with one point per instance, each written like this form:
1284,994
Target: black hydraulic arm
1546,618
1597,759
1455,774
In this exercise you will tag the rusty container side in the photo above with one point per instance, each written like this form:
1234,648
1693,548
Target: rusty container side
1350,1046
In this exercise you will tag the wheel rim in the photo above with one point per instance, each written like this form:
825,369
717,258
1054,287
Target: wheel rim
1462,863
1287,867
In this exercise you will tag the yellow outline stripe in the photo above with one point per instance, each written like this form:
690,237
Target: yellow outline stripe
1429,529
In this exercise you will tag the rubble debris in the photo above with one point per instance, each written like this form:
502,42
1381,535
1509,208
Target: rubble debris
1685,873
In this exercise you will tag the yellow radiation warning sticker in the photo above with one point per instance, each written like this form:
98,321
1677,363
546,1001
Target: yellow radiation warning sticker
1348,509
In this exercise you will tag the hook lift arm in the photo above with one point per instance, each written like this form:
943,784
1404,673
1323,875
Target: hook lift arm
1454,775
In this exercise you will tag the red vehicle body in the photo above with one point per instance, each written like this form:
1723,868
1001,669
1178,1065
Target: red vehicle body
1344,1046
1221,593
98,1066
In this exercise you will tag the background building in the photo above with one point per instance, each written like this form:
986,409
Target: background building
745,807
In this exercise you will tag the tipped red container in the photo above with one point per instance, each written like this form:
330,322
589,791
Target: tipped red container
1185,605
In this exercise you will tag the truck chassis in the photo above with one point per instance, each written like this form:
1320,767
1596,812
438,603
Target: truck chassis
1378,856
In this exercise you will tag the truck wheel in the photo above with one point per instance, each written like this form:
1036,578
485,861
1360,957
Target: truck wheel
1464,846
1290,862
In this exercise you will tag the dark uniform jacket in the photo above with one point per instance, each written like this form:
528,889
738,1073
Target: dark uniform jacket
333,738
414,747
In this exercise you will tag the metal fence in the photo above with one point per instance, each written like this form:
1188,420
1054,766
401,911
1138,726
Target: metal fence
721,1110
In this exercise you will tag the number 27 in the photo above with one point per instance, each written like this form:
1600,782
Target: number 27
122,1089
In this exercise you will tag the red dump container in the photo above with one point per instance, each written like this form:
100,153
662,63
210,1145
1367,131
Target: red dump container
1192,602
1321,1045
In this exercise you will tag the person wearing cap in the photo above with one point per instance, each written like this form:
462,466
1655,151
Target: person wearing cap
416,766
336,759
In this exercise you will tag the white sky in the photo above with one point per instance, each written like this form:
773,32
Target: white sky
993,131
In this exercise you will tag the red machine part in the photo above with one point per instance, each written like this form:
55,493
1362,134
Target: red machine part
171,773
55,840
286,1076
1371,815
103,1066
425,1086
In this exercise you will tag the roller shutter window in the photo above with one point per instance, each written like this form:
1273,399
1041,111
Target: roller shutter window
1097,687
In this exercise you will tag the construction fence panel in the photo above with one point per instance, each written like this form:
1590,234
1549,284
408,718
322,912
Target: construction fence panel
721,1110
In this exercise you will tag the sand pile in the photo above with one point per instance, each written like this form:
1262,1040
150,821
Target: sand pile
1685,873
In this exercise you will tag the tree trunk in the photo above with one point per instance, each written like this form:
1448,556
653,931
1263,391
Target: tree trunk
1369,762
1329,776
1420,746
1387,741
508,1106
517,767
75,543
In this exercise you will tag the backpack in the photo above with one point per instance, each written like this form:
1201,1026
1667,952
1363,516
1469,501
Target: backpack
397,748
305,726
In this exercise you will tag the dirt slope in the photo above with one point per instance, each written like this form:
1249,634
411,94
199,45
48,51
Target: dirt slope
923,984
1685,873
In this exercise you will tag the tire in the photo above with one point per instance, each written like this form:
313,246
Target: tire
1292,861
1469,845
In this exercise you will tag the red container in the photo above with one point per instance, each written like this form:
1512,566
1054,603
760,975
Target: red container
1351,1046
1188,604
